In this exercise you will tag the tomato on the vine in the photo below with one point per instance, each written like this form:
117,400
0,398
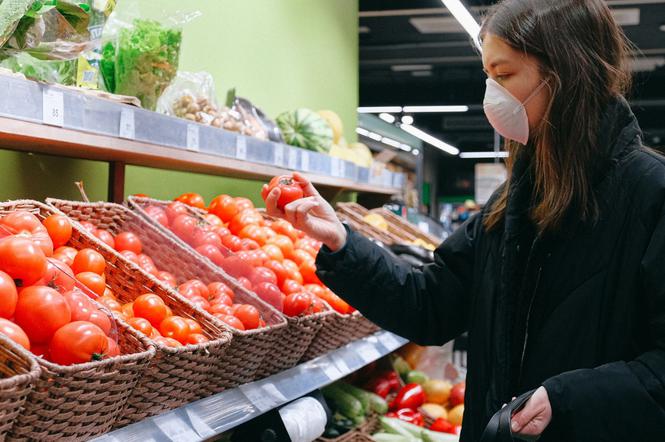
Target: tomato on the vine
59,229
290,190
40,311
192,199
14,332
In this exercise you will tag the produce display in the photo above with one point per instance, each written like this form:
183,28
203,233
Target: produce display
351,406
42,306
307,129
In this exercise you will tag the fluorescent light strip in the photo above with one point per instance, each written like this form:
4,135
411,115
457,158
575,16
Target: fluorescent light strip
390,142
434,109
361,131
407,119
387,117
430,139
379,109
464,17
478,155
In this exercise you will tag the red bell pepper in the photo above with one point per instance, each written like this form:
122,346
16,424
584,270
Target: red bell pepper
411,396
408,415
384,384
443,426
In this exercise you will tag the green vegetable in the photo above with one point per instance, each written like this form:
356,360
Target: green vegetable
388,437
331,432
307,129
433,436
401,367
416,377
370,401
49,71
146,61
11,11
358,420
107,66
394,426
356,393
341,421
345,403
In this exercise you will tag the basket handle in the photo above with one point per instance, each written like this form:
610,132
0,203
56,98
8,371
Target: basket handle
498,428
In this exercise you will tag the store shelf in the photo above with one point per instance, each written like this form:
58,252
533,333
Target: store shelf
214,415
51,120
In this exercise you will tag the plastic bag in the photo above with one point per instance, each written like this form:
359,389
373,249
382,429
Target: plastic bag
140,56
88,70
11,12
259,124
51,30
48,71
191,95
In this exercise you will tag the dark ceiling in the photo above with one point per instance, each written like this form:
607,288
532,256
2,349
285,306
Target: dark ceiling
402,65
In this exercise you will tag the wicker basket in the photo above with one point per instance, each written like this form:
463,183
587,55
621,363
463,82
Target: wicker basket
401,227
297,336
248,348
176,375
18,373
338,331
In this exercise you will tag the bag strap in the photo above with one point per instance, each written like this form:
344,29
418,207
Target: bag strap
498,428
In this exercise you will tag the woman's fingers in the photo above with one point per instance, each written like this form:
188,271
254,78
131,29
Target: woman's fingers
307,187
271,203
296,211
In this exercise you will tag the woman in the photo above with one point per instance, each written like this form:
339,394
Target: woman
558,281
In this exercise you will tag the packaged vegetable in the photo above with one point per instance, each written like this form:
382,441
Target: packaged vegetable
48,71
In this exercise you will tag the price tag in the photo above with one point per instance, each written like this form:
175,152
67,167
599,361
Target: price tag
342,168
241,148
389,341
193,137
293,159
330,369
342,366
53,107
279,154
127,129
264,397
304,161
334,167
368,353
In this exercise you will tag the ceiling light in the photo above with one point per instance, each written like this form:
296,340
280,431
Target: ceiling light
662,27
405,147
363,30
435,109
410,67
430,139
407,119
375,136
361,131
502,154
421,73
387,117
390,142
464,17
416,152
379,109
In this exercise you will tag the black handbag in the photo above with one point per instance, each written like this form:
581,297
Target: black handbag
498,428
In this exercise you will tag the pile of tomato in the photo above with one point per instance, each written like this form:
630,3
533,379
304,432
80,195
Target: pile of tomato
270,258
42,306
217,298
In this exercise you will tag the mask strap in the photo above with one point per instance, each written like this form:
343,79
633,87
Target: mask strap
533,94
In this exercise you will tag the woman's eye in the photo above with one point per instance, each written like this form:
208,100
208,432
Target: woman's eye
501,77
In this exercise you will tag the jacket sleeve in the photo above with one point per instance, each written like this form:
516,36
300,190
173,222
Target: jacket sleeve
428,306
622,400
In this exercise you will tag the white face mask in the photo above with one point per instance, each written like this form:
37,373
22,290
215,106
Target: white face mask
506,113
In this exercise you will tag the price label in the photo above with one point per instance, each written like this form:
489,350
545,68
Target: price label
53,108
389,341
330,369
334,167
368,353
193,137
342,168
264,397
127,129
279,154
304,161
293,159
342,366
241,148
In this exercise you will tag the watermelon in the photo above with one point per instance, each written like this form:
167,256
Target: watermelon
307,129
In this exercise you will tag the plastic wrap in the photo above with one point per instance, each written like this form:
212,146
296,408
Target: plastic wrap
48,71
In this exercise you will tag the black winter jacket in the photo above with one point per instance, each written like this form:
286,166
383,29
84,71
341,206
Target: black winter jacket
581,312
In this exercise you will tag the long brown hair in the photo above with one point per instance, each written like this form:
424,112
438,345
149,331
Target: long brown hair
582,52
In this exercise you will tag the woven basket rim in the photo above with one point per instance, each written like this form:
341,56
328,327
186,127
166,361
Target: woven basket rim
226,332
33,372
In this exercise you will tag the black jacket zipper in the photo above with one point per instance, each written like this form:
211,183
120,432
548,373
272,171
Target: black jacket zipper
526,331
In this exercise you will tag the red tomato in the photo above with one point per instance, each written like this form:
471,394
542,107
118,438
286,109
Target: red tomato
219,302
167,342
457,394
222,231
311,251
201,237
316,290
253,232
110,303
101,320
88,226
318,305
282,273
270,293
232,242
284,243
219,288
273,252
269,233
59,229
296,304
105,236
167,278
113,349
40,350
285,228
194,327
243,204
249,316
40,311
96,283
243,219
250,244
65,254
128,310
147,264
196,338
293,270
291,286
157,214
192,199
308,272
183,226
128,241
263,274
8,296
199,288
89,260
230,320
213,220
80,305
211,252
28,226
175,327
220,309
245,282
200,303
130,256
78,342
175,209
14,332
151,307
261,256
141,324
290,189
224,207
21,259
299,256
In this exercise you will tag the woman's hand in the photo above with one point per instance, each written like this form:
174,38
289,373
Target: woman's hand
533,419
311,214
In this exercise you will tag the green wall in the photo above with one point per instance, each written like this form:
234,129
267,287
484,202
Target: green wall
280,54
